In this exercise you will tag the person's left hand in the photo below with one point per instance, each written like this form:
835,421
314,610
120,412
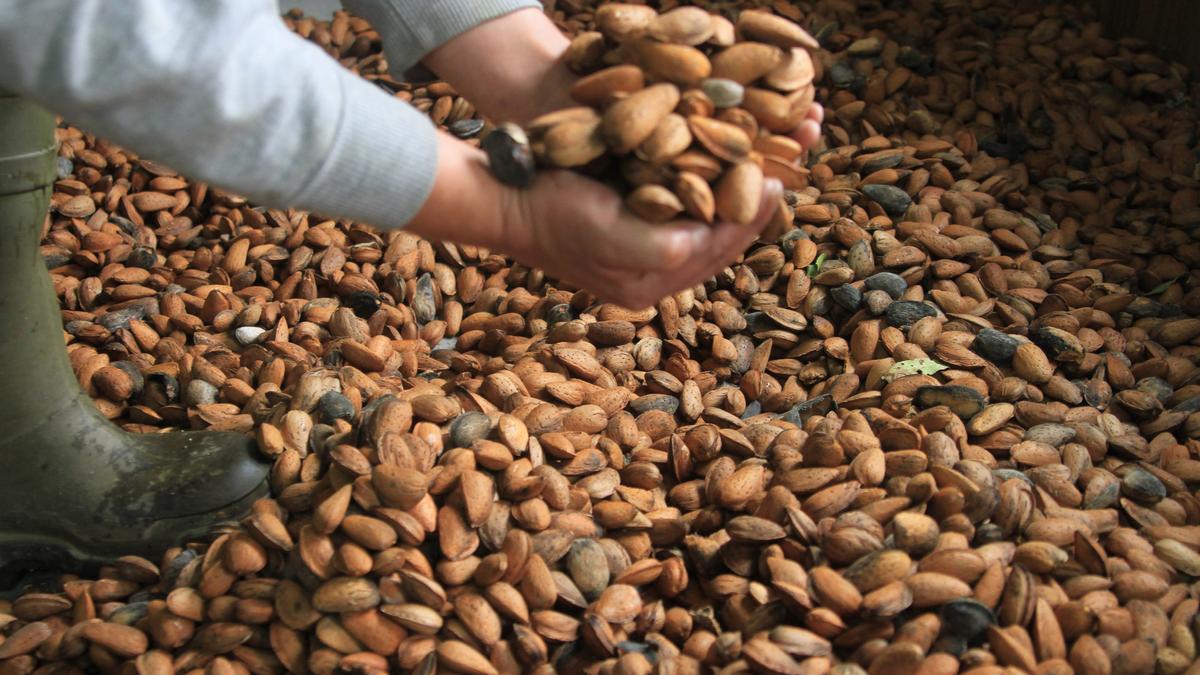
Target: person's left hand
512,69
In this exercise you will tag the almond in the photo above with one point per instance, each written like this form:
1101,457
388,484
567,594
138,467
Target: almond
630,121
675,63
604,85
761,25
739,194
746,62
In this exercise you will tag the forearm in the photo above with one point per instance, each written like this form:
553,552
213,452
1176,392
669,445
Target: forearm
221,91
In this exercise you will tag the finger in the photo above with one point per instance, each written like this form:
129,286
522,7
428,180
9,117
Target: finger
731,240
589,221
706,243
627,287
630,242
728,241
816,113
636,288
808,132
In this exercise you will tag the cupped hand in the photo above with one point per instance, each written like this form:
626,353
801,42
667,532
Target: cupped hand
578,230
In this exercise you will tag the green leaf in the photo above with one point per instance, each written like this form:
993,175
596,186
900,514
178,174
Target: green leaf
1162,288
914,367
815,268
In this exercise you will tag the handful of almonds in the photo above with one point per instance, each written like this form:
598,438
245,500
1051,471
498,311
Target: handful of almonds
685,111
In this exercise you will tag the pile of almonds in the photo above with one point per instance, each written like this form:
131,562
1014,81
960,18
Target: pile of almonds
946,420
686,110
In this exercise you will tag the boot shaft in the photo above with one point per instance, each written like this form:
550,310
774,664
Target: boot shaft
36,378
75,485
27,147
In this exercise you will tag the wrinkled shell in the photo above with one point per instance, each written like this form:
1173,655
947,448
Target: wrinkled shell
684,25
746,62
739,193
620,21
668,141
654,203
722,139
759,25
679,64
599,87
630,121
696,196
573,143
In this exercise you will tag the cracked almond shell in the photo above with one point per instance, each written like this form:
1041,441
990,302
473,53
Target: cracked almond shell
727,141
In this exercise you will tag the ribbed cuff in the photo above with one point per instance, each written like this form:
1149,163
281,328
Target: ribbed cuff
382,163
410,29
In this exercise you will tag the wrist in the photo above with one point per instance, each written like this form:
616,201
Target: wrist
466,204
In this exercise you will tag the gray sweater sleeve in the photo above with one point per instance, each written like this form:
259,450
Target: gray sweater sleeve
223,92
410,29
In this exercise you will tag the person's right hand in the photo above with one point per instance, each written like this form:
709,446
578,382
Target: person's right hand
579,230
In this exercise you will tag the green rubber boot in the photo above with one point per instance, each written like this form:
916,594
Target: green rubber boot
76,490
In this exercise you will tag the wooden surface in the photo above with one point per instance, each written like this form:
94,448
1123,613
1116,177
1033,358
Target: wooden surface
1171,24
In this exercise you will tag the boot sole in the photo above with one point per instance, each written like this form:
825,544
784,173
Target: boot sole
26,556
